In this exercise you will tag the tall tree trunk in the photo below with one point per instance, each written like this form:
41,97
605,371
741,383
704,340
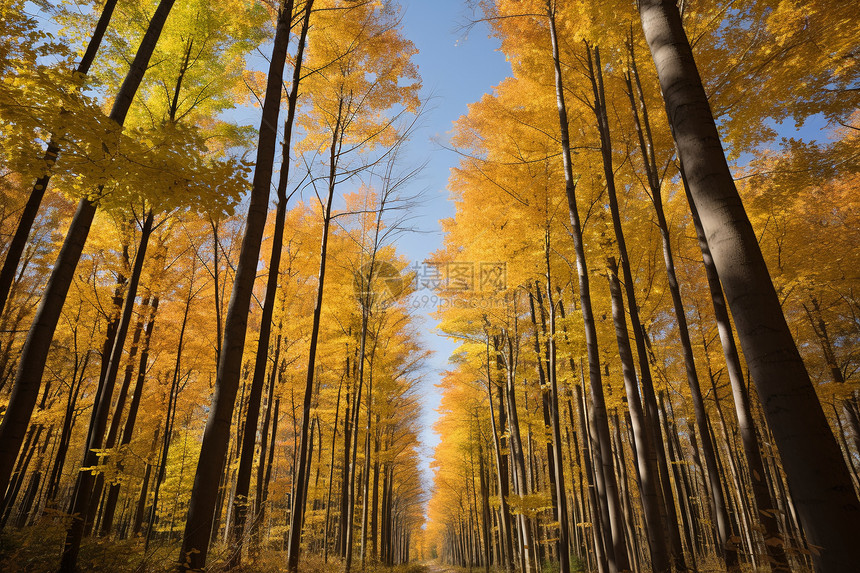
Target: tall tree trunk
374,516
243,477
681,485
30,446
340,540
216,284
597,535
767,515
300,489
517,451
645,459
366,303
78,373
24,510
331,473
596,76
113,431
264,468
144,487
646,145
366,473
742,510
497,428
131,419
172,397
558,457
263,480
607,485
34,354
542,363
626,503
216,437
101,410
821,485
485,504
600,534
228,478
727,549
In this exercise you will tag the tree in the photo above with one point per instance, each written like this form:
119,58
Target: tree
201,510
820,484
32,363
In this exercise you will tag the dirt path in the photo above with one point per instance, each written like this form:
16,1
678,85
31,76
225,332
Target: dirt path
437,568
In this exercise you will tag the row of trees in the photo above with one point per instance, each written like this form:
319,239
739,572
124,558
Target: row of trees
599,412
150,314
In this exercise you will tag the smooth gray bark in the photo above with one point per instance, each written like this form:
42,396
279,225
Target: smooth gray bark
820,483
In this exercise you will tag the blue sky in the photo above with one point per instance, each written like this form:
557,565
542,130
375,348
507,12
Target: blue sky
456,69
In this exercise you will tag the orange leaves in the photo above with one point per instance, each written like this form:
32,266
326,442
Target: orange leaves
254,87
359,71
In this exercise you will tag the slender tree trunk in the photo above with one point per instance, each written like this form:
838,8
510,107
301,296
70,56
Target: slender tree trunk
350,530
264,490
366,474
95,440
821,485
331,474
600,534
629,519
579,544
596,77
35,480
485,504
30,446
746,423
340,541
517,452
216,437
374,516
119,408
113,320
645,459
742,511
607,485
300,490
558,458
144,488
727,549
646,144
262,467
681,486
243,478
65,434
216,284
227,478
172,397
131,420
497,429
